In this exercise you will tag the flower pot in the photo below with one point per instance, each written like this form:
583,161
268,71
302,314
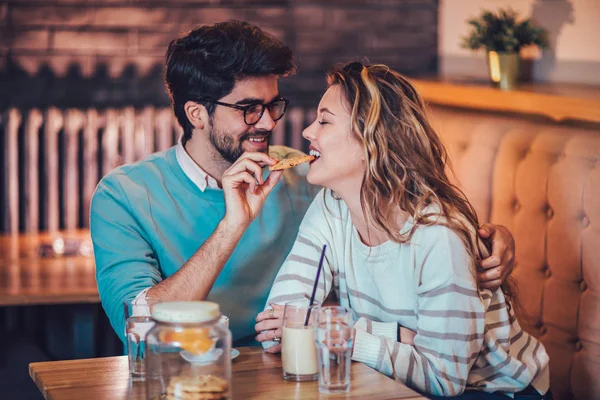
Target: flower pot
504,69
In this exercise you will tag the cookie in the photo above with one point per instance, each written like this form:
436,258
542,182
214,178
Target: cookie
291,162
202,384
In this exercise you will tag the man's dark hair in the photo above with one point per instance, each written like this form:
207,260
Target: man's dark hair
204,65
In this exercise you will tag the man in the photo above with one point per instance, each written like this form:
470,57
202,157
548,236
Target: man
202,220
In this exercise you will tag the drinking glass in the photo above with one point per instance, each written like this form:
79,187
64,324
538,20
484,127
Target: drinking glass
333,337
138,322
298,350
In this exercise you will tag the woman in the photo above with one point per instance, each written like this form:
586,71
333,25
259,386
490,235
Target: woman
402,249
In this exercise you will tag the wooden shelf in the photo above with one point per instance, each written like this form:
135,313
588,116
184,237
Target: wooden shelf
559,102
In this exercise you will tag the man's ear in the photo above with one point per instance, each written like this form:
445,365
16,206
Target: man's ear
196,114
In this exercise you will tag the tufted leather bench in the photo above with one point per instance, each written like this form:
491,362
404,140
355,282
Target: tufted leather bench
542,181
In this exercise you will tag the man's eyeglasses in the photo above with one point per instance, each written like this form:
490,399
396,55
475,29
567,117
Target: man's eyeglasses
254,112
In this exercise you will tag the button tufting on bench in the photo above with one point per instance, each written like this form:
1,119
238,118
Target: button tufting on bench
516,206
549,212
585,221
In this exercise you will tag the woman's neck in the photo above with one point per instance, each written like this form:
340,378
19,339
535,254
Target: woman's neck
368,232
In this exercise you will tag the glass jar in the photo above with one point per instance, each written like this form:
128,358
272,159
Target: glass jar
188,352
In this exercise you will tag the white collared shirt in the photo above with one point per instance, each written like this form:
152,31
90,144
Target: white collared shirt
193,171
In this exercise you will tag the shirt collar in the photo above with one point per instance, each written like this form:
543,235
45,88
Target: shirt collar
193,170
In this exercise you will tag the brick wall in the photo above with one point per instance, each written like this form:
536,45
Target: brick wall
110,52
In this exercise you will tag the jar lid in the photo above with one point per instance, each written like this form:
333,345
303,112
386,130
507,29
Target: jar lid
186,311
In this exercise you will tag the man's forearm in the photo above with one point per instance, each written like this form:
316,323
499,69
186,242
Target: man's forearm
196,277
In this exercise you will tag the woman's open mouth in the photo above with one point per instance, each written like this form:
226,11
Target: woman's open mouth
315,153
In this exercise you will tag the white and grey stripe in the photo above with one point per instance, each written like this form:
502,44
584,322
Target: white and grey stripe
284,298
452,288
362,296
453,358
452,314
299,278
308,242
451,336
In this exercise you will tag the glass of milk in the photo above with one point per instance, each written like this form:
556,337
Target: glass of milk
298,349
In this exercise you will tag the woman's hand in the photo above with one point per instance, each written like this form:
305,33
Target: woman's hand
407,336
269,324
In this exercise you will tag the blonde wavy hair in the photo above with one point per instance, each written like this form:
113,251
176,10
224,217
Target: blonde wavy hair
406,162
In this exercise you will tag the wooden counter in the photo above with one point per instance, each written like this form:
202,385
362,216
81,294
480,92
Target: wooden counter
559,102
30,278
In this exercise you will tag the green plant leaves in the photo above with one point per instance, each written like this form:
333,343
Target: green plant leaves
502,32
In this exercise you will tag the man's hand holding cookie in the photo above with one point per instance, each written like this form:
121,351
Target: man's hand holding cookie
245,190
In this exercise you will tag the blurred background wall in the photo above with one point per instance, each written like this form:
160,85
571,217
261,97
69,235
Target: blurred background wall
79,53
572,25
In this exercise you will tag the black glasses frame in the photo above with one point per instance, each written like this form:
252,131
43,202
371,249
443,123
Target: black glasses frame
249,106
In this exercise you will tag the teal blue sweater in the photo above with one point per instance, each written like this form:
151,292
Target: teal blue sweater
148,218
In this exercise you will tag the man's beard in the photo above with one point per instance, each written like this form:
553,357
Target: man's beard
227,146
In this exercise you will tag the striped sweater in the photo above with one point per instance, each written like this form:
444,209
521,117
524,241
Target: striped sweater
464,339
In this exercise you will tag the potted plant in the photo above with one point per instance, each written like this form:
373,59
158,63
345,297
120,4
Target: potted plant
503,36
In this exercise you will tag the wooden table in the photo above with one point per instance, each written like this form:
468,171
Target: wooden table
256,376
28,278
